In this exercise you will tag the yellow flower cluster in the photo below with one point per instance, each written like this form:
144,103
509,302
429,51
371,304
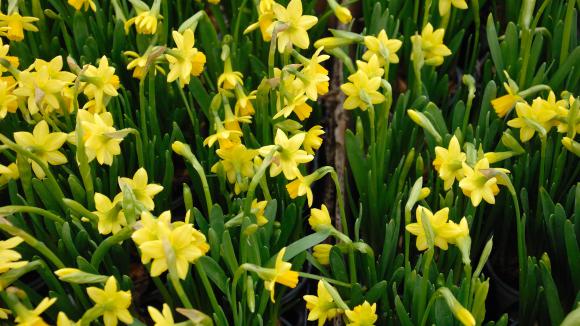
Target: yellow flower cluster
444,231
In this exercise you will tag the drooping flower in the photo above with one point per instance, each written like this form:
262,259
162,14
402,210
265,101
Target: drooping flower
222,134
445,6
114,304
314,76
184,60
102,83
432,45
341,12
301,186
288,155
145,23
185,243
265,20
258,208
13,26
319,219
9,258
85,4
8,101
313,141
26,317
44,144
437,221
362,91
8,173
141,63
295,25
503,104
477,185
143,191
322,306
110,214
449,162
458,234
362,315
384,48
321,252
281,273
14,61
229,79
292,98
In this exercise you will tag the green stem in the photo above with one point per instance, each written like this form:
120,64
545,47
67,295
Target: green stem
179,290
542,162
426,13
320,278
520,229
205,281
567,31
432,300
343,222
9,210
104,246
256,180
188,155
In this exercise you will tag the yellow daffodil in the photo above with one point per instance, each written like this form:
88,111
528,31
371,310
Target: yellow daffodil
313,141
145,23
476,185
26,317
8,173
110,214
301,186
314,76
362,315
42,85
503,104
244,104
8,101
13,26
222,134
321,253
237,163
529,117
114,304
372,68
143,191
258,208
14,61
265,20
445,6
102,83
229,79
141,63
4,313
9,258
85,4
63,320
458,234
293,26
293,99
185,60
558,107
437,221
101,139
384,48
164,318
449,162
319,219
432,45
288,155
342,13
570,145
281,273
44,145
185,243
362,91
321,306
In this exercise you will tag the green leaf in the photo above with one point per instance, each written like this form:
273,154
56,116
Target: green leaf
304,244
215,272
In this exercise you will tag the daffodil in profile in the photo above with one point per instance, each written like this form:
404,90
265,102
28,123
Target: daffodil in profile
8,172
320,219
321,306
13,25
321,252
282,273
184,60
364,314
143,191
312,140
258,208
83,4
445,6
449,162
8,101
27,317
293,26
503,104
362,91
437,221
237,163
102,141
384,48
113,304
44,144
10,258
477,185
288,156
266,18
301,187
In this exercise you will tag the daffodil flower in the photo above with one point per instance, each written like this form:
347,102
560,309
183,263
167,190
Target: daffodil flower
293,26
114,304
362,315
321,306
